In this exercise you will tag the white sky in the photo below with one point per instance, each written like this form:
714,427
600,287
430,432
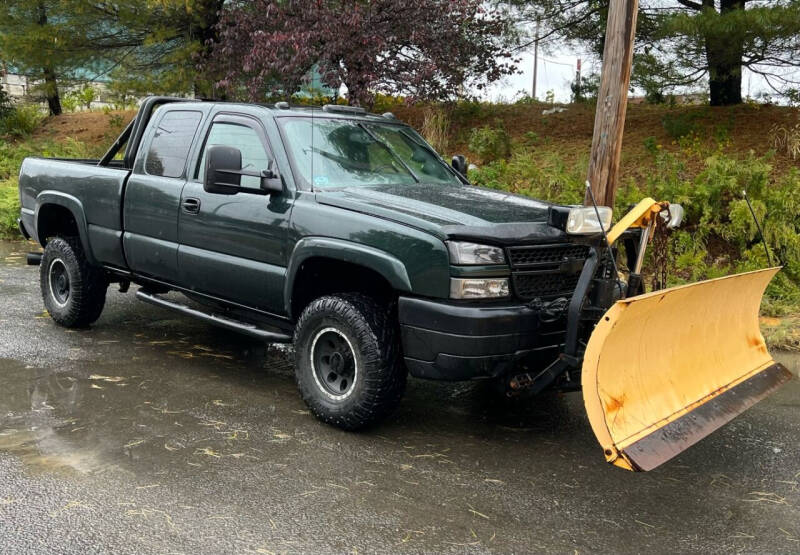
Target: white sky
557,71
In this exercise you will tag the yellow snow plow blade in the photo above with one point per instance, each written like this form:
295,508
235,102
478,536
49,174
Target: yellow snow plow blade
663,370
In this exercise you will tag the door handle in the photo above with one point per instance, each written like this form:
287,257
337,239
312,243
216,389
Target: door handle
191,205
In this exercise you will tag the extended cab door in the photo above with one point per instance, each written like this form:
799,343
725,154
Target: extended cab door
233,246
153,193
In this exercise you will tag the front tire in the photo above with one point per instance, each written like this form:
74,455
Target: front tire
347,360
74,291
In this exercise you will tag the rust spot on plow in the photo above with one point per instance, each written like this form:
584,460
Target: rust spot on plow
613,405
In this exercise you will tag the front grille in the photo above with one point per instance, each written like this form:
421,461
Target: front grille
529,286
546,271
545,254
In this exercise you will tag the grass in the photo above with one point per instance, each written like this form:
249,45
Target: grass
782,333
9,208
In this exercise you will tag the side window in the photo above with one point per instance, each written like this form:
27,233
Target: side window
171,143
246,139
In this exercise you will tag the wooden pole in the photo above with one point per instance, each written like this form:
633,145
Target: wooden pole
535,60
612,101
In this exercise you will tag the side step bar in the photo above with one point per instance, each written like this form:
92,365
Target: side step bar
221,321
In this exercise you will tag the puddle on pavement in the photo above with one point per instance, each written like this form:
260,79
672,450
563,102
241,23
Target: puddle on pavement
152,418
13,253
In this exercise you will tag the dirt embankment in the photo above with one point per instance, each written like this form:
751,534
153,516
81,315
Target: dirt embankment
92,128
745,128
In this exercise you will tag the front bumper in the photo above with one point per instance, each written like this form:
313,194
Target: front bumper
445,340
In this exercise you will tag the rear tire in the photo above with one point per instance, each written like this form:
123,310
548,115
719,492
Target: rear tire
74,291
347,360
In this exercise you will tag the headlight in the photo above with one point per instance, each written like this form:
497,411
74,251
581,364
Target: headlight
478,288
583,220
471,253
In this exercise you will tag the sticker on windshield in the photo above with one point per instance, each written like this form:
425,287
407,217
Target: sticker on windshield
321,180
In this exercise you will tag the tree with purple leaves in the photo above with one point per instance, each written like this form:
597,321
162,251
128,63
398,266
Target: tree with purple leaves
422,49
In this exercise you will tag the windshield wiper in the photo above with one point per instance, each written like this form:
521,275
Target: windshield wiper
390,150
430,149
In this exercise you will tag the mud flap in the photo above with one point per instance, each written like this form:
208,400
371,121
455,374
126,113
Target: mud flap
663,370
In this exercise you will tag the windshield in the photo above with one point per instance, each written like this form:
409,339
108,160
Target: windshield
331,153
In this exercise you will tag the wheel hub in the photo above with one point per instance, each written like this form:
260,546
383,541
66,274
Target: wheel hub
59,282
333,363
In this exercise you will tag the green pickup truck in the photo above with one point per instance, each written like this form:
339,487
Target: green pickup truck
338,230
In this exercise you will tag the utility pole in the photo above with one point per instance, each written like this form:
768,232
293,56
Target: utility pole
535,58
612,101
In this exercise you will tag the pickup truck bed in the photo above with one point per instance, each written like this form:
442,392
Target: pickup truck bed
93,197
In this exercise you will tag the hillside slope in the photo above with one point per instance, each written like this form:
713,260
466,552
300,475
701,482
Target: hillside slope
746,128
569,133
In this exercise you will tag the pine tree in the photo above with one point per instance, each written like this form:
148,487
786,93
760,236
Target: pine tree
147,46
686,42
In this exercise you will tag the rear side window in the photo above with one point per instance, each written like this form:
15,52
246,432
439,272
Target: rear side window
171,142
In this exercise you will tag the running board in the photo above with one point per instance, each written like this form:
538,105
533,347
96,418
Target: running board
221,321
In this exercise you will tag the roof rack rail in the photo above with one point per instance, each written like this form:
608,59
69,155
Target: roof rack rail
338,108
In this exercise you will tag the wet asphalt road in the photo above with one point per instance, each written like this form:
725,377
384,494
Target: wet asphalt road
153,433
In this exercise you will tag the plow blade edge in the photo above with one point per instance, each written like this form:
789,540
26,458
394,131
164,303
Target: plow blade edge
665,369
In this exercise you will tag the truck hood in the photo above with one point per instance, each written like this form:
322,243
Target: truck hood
451,211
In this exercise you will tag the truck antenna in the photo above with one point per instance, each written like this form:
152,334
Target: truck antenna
758,226
590,193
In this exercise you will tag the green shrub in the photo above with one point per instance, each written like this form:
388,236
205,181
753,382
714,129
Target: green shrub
21,120
490,143
651,145
680,124
6,107
542,175
718,236
465,111
70,101
9,208
532,138
86,96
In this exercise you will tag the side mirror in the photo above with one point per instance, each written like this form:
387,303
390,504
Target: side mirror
459,164
223,167
674,217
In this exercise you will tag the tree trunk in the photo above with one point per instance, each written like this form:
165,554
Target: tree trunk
725,84
51,91
724,54
50,81
203,28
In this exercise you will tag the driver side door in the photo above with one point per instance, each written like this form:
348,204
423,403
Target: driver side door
233,246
